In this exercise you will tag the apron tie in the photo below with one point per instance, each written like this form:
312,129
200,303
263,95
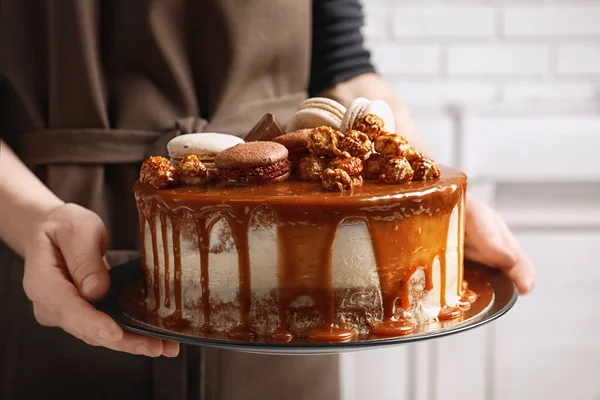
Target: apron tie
100,146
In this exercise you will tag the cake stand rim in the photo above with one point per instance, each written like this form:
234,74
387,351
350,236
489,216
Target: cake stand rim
124,275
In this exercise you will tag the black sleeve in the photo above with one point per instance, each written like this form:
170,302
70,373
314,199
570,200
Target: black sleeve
338,51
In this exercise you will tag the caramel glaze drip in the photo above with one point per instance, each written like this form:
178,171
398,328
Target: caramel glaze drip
408,225
163,224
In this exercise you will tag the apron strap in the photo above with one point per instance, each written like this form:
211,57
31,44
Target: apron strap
100,146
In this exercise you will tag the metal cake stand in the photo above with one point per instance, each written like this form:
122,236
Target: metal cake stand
497,294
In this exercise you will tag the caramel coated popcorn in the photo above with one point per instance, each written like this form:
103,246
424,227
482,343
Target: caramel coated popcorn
425,168
370,124
158,172
374,167
323,141
336,180
357,144
352,165
311,167
192,171
391,145
397,170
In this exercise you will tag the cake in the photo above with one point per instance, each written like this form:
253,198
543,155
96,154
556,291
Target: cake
347,249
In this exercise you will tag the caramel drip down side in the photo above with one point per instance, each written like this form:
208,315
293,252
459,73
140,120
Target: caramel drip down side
305,241
176,319
410,240
239,224
408,228
163,225
151,218
203,237
140,302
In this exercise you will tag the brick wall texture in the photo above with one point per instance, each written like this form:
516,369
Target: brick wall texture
495,51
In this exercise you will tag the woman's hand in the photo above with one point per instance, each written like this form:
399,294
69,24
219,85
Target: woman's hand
489,241
64,269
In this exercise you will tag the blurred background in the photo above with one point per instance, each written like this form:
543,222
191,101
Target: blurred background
508,91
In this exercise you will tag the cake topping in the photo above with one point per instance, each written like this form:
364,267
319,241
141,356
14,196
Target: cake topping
192,171
397,170
356,144
374,167
267,128
392,145
204,145
311,167
254,161
158,172
324,140
297,145
352,165
317,111
295,141
369,124
336,180
425,168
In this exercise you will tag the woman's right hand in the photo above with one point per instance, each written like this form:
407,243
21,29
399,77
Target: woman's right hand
65,269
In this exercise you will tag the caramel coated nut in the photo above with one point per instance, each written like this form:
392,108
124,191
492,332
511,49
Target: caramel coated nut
370,124
158,172
356,144
192,171
391,145
311,168
374,167
357,181
323,141
352,165
425,168
336,180
397,170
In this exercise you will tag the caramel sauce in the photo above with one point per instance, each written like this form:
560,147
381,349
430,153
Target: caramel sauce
408,225
167,283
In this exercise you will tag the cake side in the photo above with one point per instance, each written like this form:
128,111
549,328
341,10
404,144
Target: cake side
305,261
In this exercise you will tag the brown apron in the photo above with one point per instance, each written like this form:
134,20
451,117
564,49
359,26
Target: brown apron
89,89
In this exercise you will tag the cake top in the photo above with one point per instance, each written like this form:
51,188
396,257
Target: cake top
337,147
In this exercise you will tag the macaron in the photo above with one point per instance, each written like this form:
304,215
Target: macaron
363,106
317,111
267,128
261,162
297,145
205,146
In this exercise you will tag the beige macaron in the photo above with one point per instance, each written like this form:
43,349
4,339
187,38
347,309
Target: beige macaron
205,146
363,106
317,111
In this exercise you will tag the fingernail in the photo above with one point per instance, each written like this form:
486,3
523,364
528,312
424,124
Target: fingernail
90,283
143,350
104,335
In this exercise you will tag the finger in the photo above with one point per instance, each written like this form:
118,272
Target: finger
484,238
58,302
170,349
82,240
523,271
134,343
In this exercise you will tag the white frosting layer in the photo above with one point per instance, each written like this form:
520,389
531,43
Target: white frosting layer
353,267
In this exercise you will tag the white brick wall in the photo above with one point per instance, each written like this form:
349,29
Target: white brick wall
496,51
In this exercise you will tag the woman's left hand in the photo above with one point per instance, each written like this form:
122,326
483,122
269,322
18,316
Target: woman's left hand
489,241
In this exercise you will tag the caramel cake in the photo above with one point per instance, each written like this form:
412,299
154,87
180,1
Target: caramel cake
258,251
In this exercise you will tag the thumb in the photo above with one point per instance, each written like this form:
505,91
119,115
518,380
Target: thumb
485,239
82,240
